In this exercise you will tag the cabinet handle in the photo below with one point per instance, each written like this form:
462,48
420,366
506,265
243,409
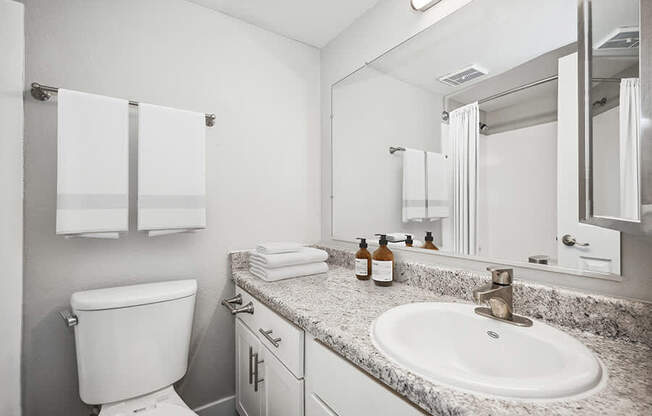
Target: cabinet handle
256,379
251,372
268,334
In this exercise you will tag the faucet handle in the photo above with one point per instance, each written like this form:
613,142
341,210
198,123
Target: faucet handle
501,275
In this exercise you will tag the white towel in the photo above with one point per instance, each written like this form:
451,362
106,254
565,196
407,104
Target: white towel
171,170
272,261
278,247
92,165
414,185
287,272
437,188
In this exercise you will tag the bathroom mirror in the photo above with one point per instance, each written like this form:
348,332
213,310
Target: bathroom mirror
468,130
615,139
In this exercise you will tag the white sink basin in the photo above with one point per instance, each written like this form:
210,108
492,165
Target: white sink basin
448,343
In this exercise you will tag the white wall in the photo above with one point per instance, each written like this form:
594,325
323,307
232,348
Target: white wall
517,197
371,112
262,169
12,50
384,27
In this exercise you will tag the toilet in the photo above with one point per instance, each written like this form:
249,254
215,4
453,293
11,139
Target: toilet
132,344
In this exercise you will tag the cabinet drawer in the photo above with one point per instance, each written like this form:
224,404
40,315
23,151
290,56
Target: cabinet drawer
280,336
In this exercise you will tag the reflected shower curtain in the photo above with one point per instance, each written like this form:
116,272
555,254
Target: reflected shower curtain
464,132
630,120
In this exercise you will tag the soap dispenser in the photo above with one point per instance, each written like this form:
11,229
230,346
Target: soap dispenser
363,261
409,242
429,245
383,263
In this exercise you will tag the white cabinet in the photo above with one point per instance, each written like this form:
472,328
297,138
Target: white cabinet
282,392
334,386
270,373
265,386
247,346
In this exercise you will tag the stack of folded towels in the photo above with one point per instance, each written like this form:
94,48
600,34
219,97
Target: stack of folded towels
277,261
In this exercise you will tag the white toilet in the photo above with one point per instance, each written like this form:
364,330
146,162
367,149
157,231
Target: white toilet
132,344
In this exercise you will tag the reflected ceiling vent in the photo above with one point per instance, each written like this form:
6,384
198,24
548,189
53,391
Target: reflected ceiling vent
463,76
626,37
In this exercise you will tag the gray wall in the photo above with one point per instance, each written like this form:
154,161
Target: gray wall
262,170
12,51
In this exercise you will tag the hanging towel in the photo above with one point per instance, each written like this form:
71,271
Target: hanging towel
171,170
288,272
278,247
630,123
272,261
438,202
92,165
414,185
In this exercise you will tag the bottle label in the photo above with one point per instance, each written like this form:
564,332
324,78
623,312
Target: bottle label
383,270
361,268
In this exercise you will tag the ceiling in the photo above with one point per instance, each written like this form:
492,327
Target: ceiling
314,22
496,35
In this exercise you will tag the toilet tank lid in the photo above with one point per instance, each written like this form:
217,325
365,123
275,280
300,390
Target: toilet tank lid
134,295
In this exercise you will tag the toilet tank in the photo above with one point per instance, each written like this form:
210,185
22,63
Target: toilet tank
132,340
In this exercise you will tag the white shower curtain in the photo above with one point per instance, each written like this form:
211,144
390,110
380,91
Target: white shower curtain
464,133
630,120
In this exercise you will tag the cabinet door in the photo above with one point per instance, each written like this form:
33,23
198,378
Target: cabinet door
248,401
282,392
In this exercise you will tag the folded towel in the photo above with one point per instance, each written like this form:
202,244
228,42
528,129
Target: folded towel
303,256
171,170
415,243
278,247
92,165
271,275
414,185
438,199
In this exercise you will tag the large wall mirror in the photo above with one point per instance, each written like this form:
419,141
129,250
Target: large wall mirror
615,139
469,131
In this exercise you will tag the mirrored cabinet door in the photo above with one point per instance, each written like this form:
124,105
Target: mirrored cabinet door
615,134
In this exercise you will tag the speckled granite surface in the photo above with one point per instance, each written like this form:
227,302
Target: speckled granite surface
338,310
600,315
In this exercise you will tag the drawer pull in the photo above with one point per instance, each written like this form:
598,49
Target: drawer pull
256,379
251,369
268,334
231,303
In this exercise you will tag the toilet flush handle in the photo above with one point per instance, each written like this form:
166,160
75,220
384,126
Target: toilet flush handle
69,318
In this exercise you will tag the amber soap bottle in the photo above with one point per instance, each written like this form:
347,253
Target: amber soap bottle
382,264
429,242
363,261
408,241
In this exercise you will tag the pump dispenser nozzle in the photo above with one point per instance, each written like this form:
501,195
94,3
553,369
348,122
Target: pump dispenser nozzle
363,242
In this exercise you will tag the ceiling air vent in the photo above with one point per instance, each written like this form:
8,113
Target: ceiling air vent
462,76
622,38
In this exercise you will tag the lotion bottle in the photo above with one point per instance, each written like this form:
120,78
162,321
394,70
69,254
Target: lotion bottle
363,261
383,264
429,242
408,240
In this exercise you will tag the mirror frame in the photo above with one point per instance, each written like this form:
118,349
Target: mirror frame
585,50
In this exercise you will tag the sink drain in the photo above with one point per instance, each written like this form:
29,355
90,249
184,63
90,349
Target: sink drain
493,335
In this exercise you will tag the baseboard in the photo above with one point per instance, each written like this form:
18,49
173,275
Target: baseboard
222,407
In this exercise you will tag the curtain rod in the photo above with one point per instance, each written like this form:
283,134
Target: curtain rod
526,86
43,93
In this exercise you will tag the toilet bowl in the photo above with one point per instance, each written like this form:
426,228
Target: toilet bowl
132,345
165,402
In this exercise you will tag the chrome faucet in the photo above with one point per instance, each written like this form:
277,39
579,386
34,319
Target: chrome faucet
499,295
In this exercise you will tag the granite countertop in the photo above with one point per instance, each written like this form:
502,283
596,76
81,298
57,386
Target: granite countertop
338,310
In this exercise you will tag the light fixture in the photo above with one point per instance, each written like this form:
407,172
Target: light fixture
423,5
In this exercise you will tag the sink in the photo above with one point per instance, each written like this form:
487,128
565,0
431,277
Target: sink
447,343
